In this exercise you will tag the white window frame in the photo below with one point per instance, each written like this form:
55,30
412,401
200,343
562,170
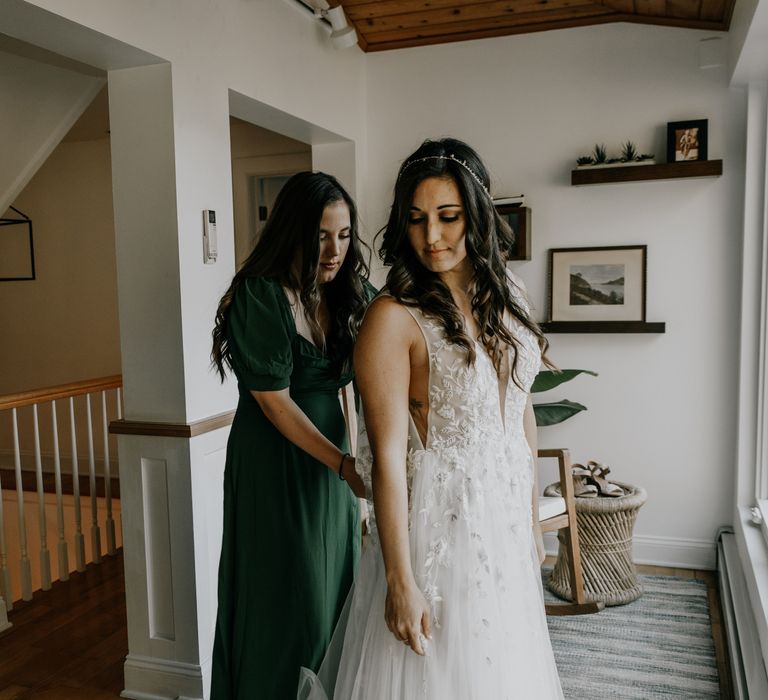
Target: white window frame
751,513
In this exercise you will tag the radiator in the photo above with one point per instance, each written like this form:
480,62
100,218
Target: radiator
748,673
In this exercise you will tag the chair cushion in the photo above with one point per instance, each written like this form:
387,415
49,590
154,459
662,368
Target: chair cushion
550,506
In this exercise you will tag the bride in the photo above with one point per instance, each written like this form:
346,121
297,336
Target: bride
447,604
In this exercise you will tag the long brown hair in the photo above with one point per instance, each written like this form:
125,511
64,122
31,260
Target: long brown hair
288,251
488,238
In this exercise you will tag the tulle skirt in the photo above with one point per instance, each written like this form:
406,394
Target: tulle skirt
474,558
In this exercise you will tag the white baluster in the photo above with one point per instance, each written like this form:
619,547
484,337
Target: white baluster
45,555
79,538
26,569
119,395
111,543
63,555
4,624
95,531
5,575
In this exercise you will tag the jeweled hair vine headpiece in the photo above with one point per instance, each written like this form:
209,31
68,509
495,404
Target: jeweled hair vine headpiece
452,157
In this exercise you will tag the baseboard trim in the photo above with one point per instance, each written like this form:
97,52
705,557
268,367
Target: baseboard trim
674,552
148,678
678,552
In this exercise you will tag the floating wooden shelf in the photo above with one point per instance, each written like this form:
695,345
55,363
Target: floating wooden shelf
602,326
659,171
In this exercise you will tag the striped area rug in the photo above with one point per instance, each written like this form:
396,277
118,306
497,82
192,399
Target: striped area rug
660,646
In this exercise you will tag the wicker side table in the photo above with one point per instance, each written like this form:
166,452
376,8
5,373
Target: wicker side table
605,541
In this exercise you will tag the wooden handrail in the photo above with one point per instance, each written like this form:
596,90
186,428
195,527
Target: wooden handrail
63,391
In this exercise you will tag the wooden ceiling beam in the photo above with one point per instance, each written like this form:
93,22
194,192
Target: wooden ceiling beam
652,8
706,25
625,6
488,33
463,15
685,9
711,9
490,24
381,8
390,24
588,9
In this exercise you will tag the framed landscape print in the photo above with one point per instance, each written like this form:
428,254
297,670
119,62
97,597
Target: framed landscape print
597,284
687,140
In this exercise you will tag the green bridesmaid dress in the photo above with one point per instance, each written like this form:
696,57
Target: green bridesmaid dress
291,526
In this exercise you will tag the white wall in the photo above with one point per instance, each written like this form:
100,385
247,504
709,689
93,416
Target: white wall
63,326
40,103
662,411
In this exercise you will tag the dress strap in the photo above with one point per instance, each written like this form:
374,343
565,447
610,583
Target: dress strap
430,329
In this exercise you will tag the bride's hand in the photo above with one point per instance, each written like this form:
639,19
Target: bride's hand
407,614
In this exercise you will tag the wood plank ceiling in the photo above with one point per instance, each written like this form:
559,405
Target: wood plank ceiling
396,24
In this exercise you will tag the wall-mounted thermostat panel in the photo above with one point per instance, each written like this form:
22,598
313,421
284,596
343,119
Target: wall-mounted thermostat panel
210,245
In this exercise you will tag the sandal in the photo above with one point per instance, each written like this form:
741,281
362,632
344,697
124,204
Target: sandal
581,487
597,474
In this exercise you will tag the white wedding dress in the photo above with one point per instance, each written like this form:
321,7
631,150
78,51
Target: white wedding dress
472,551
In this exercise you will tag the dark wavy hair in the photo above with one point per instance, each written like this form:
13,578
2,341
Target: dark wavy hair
288,251
488,238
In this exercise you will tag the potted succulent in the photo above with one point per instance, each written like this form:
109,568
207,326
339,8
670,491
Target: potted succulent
597,159
629,156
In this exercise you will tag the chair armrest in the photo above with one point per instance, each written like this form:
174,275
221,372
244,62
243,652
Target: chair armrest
563,457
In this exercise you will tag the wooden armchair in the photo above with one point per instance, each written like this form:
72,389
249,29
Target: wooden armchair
559,513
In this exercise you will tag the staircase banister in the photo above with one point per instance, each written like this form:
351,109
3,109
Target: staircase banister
62,391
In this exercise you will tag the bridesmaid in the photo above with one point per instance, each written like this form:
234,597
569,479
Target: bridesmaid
286,327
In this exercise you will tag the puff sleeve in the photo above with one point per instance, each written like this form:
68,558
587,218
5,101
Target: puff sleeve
259,335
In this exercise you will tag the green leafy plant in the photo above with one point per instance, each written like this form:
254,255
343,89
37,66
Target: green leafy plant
599,154
584,160
558,411
629,151
646,156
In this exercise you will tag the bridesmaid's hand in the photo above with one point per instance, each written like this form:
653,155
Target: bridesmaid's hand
406,613
353,479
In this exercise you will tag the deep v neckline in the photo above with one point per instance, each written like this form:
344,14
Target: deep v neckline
502,386
290,309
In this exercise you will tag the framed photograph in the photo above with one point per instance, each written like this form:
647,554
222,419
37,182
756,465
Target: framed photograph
519,220
687,140
17,249
597,284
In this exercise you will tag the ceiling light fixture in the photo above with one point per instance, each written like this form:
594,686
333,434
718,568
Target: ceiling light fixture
331,12
342,35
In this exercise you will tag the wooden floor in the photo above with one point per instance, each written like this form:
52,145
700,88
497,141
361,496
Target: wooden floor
715,616
69,643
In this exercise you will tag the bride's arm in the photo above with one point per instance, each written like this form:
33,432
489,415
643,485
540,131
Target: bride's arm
382,369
